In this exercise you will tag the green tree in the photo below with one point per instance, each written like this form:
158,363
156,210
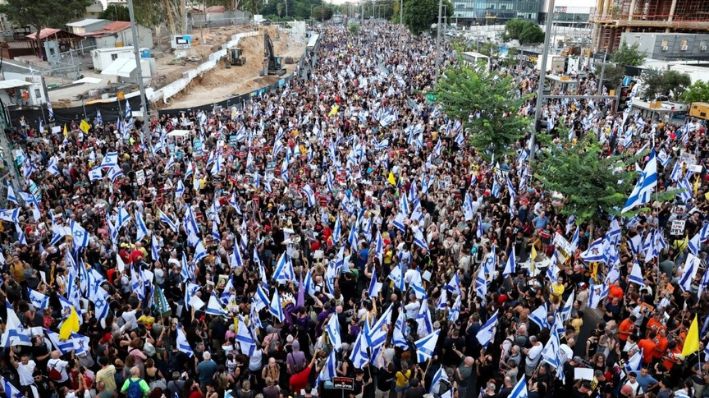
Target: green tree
668,83
697,92
322,13
115,12
419,15
628,55
464,91
353,28
593,185
41,14
612,75
526,31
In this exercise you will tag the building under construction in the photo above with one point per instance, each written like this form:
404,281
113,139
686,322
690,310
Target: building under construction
614,17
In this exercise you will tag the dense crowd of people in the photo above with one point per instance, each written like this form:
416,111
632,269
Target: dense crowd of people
339,237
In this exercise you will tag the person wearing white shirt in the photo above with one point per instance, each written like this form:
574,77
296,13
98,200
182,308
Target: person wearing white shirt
25,368
533,355
55,363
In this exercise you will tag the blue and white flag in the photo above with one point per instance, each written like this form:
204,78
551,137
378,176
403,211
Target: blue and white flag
200,253
10,390
400,332
635,362
328,371
453,284
645,186
359,356
11,197
426,346
141,230
98,120
539,316
182,344
128,112
486,334
81,237
164,218
419,239
309,194
565,311
10,215
274,307
520,389
691,266
374,285
439,376
245,338
236,259
636,275
511,264
332,328
39,300
214,307
596,252
337,231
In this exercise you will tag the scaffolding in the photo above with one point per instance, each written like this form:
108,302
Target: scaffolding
613,17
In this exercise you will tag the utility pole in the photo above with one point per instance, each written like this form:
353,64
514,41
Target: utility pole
603,72
136,52
542,77
438,26
401,12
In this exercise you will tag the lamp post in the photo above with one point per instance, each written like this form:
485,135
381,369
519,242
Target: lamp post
542,77
141,85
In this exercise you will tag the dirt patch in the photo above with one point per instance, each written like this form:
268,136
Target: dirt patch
228,81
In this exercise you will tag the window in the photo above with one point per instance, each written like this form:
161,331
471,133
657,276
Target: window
703,45
114,57
665,44
683,45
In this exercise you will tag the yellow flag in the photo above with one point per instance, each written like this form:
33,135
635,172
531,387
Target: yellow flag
69,326
696,185
691,343
84,126
533,255
66,131
391,178
333,111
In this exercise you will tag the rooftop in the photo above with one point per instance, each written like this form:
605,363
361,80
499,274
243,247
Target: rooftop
84,22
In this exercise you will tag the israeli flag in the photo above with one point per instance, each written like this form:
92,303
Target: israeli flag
141,230
645,186
399,222
565,311
10,215
110,159
520,389
426,346
596,252
274,306
182,344
39,300
481,282
14,334
236,259
454,312
328,371
453,284
128,112
439,376
10,390
11,197
64,346
332,328
164,218
81,237
281,274
374,285
310,195
685,187
309,284
400,332
214,307
200,253
246,340
379,250
636,275
53,167
596,294
98,120
419,239
101,303
359,356
635,362
486,334
511,264
539,316
691,266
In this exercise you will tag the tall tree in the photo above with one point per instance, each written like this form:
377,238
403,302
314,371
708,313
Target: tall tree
41,14
697,92
115,12
668,83
420,14
627,55
593,185
526,31
487,104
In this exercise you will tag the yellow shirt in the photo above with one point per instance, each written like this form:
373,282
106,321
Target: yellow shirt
402,378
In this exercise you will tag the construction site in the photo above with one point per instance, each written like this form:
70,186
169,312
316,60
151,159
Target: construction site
612,18
205,68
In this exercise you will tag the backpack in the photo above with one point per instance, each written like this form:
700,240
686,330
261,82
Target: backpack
134,390
54,374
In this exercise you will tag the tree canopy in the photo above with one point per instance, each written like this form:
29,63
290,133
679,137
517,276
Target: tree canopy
487,105
697,92
420,14
526,31
44,13
628,55
667,83
593,186
115,12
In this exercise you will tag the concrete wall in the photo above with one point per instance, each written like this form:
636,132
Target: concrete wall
670,46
